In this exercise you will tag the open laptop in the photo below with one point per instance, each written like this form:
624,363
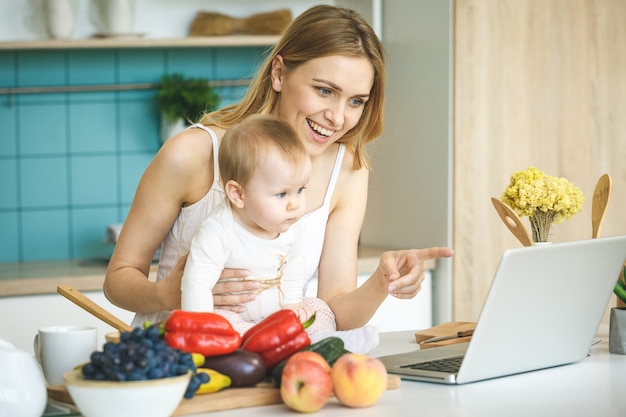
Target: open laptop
543,309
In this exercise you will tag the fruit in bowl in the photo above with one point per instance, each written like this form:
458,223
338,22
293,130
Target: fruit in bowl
125,377
126,398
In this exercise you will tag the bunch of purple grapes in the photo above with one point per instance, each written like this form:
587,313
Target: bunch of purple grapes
142,354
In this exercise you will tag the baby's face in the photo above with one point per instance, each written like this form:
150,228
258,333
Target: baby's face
275,197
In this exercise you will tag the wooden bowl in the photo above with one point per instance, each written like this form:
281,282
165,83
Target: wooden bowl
112,337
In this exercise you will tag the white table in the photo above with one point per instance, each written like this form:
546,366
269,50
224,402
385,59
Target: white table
595,386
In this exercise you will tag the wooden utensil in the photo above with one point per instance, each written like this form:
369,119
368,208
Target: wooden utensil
90,306
513,222
599,204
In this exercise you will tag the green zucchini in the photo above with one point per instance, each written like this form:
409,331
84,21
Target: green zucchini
331,348
620,290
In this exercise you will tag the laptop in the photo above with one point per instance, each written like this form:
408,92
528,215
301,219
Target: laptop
543,309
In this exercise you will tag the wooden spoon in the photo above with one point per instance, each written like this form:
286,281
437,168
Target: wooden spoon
513,222
92,307
600,202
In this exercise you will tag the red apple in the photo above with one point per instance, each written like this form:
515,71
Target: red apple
358,380
306,384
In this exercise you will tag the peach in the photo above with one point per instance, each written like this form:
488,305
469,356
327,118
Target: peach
306,384
358,380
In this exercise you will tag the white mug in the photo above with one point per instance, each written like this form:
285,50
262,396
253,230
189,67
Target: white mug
61,348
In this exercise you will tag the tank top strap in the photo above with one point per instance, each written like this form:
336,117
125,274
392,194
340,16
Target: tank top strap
335,174
216,147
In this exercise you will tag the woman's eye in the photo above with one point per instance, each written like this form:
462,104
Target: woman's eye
324,91
356,102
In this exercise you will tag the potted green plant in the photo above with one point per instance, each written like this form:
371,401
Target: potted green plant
617,324
182,100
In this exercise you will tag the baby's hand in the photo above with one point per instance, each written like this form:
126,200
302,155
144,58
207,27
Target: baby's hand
302,310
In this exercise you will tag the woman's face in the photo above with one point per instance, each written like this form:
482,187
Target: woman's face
323,98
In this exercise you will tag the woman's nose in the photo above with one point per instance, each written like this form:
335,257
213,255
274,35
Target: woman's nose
335,114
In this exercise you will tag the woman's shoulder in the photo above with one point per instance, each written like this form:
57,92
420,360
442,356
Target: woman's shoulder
186,146
187,159
350,178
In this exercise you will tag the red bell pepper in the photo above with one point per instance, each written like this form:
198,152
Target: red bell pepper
206,333
277,337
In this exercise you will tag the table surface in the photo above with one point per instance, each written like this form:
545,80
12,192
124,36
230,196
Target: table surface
595,386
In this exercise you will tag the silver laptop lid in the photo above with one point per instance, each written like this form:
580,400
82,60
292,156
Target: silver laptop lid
544,307
542,310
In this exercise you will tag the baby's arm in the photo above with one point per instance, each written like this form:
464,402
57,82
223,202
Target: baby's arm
303,310
207,255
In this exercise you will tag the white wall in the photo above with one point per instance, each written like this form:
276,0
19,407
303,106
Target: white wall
23,19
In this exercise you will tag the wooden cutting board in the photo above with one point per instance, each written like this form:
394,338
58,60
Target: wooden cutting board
262,394
444,329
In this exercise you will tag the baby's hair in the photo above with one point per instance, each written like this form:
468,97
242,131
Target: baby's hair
246,144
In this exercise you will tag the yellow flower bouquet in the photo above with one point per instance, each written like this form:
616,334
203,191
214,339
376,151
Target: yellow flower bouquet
546,200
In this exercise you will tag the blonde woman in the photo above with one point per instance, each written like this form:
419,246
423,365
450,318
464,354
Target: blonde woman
326,78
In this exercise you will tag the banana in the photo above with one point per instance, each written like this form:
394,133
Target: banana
217,381
198,359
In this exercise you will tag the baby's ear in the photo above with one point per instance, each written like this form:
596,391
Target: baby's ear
235,193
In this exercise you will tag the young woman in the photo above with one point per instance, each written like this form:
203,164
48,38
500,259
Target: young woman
326,78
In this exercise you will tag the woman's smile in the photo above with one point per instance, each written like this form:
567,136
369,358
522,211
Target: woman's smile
322,134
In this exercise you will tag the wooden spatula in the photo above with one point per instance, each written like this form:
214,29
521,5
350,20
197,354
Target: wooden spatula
90,306
599,204
513,222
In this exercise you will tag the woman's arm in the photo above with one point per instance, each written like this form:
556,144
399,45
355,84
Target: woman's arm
180,173
399,273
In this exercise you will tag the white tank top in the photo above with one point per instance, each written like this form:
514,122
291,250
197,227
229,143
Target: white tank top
178,239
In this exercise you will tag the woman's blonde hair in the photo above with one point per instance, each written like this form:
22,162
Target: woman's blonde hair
247,143
318,32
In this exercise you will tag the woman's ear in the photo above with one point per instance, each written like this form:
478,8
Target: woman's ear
234,192
278,71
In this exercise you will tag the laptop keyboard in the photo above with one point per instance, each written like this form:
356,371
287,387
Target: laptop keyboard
450,365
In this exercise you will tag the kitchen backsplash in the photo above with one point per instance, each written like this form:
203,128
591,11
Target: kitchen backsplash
70,162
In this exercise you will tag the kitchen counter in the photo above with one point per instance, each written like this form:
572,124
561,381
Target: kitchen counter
592,387
30,278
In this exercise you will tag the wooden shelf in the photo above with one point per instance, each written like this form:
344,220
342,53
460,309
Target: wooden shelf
141,42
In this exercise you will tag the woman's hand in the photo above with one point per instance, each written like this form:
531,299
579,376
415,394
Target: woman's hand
232,290
228,295
403,271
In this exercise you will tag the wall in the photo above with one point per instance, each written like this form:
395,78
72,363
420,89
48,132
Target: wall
537,83
70,162
24,20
